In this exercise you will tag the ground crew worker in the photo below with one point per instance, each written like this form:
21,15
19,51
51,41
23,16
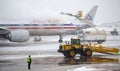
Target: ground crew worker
29,60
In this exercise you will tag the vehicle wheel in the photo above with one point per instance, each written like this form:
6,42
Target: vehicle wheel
88,52
72,53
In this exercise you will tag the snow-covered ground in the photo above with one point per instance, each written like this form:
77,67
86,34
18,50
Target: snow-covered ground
85,68
45,55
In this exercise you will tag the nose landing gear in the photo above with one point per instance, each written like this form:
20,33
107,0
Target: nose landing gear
60,39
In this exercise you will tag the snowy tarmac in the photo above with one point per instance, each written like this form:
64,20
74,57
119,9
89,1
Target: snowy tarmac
46,58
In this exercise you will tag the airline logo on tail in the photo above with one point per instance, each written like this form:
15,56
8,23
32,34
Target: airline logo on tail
91,14
88,17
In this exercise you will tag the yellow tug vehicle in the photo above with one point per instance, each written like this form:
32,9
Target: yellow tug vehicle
75,47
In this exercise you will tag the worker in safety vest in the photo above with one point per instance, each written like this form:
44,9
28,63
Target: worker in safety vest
29,61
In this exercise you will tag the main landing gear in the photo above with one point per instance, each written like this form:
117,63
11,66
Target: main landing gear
37,38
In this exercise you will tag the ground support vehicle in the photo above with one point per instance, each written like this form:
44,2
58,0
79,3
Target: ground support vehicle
114,32
70,50
98,36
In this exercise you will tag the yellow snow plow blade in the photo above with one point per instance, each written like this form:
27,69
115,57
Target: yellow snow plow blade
102,49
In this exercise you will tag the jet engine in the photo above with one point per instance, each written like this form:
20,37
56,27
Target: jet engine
18,36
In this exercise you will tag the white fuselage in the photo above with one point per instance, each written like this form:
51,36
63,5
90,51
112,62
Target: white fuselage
43,29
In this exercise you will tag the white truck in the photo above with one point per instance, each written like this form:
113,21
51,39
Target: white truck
93,36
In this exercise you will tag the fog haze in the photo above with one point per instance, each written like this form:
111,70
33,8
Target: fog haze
108,10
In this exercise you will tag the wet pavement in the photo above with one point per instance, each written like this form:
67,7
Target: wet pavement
46,58
60,63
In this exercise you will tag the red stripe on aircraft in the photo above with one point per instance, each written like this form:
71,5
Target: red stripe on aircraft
72,27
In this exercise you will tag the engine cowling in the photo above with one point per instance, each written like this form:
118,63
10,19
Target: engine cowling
19,36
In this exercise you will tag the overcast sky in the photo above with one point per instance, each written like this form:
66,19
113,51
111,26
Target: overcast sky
108,10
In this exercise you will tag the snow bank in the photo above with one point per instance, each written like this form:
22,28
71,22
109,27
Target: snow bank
84,69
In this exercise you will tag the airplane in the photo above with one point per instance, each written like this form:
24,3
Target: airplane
22,32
